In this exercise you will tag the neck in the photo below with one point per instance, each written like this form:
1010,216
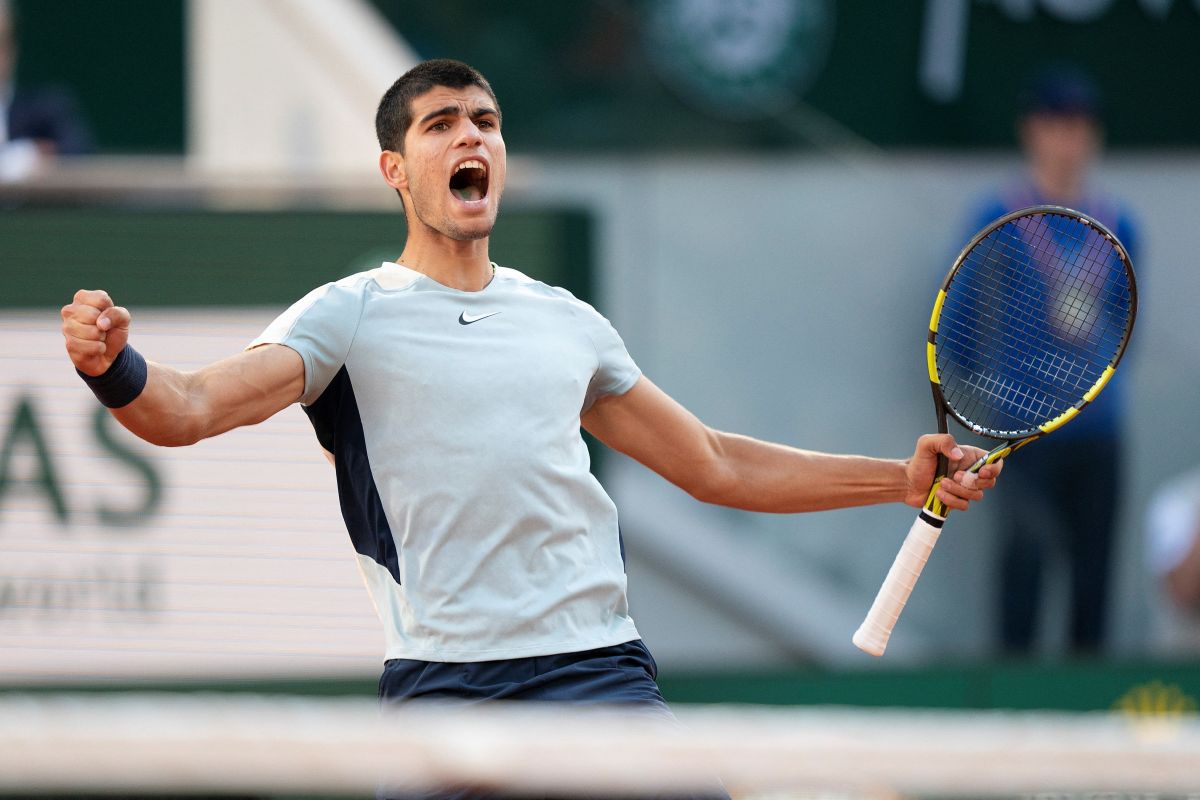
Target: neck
460,265
1058,186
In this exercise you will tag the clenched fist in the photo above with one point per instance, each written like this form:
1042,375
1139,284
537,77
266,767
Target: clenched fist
95,330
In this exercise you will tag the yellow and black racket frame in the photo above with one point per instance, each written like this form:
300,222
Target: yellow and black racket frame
1013,442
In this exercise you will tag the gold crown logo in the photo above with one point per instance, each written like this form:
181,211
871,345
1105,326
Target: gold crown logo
1156,699
1156,709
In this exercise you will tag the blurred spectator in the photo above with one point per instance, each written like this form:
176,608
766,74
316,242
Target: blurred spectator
36,124
1051,504
1173,556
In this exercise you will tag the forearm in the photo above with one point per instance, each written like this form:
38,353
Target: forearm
760,476
170,410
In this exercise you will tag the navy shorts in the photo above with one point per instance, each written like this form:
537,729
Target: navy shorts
622,674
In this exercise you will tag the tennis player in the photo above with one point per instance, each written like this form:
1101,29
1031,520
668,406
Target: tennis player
449,393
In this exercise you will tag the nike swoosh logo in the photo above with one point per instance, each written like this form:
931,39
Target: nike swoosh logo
466,319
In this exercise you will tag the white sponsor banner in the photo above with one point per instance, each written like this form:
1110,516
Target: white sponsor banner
121,560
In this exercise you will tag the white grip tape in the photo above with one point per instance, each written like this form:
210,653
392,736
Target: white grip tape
872,636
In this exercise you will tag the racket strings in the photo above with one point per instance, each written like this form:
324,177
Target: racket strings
1016,340
1092,284
1032,317
1019,298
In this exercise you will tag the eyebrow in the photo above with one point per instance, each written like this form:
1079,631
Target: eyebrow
454,111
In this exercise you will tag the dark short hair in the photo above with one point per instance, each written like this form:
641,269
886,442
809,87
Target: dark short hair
1061,89
394,115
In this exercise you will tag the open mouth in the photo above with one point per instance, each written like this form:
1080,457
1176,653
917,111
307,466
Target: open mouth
470,181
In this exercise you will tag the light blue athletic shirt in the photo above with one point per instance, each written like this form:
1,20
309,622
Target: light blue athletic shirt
453,420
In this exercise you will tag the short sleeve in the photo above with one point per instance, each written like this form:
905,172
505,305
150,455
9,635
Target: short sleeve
616,372
320,327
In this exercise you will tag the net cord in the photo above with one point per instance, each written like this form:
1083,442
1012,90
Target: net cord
240,743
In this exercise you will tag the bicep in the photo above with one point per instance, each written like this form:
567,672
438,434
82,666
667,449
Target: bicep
649,426
249,387
253,385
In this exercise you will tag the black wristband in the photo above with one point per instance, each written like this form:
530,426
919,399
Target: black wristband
122,382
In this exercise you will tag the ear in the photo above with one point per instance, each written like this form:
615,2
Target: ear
391,165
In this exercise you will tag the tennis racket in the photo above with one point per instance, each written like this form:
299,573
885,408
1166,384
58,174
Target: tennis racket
1026,330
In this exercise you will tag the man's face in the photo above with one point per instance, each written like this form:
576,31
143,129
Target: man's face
1064,143
455,161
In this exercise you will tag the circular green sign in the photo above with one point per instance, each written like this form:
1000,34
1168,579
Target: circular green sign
739,59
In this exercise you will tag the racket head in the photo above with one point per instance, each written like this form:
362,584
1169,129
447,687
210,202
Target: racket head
1030,322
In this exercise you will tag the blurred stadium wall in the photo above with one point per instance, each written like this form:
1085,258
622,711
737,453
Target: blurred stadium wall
279,87
728,199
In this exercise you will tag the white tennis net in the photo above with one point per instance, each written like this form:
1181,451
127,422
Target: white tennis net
154,743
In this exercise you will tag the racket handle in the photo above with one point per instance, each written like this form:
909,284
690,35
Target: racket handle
872,636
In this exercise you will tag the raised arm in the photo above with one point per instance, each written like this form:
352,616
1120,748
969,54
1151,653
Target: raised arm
178,408
738,471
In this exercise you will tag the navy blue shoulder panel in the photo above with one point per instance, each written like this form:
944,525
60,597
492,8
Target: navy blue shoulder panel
335,418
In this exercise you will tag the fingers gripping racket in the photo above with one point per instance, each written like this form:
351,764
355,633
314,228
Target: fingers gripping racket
1027,329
